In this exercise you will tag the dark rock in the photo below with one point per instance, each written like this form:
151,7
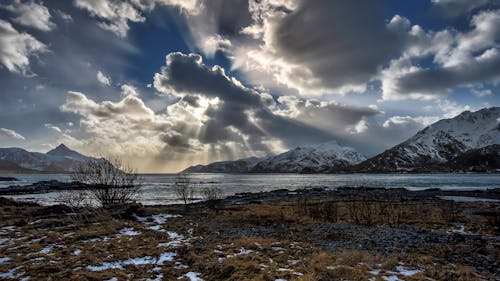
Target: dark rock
41,187
8,179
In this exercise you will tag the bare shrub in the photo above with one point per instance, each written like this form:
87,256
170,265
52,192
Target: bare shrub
108,182
213,195
183,188
75,199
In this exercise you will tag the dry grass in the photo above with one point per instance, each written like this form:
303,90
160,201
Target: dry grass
290,254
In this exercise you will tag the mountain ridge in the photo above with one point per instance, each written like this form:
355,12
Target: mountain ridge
58,160
311,158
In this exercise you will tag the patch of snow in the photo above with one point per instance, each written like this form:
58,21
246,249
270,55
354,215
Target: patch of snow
94,240
407,271
5,260
156,228
46,250
77,252
391,278
128,232
112,279
179,265
4,240
11,274
242,251
168,256
375,271
162,218
192,276
177,240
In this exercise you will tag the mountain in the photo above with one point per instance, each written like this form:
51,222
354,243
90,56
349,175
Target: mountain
312,159
59,160
432,148
238,166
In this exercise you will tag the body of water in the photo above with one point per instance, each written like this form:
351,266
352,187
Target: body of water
157,188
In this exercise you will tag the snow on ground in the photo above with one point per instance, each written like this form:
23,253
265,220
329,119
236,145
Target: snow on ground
192,276
128,232
5,260
407,271
12,273
400,270
168,256
242,251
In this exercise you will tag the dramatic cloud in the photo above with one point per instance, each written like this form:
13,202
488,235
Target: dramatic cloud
215,117
329,116
31,14
321,46
103,79
16,48
459,59
11,134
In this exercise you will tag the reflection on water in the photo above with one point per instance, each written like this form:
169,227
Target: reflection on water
156,189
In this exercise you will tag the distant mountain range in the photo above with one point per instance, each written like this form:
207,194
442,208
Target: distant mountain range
59,160
311,159
467,142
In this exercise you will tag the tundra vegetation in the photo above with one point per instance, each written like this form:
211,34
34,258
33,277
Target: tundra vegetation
314,238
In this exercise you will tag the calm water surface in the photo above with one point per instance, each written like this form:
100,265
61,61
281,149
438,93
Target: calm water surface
157,188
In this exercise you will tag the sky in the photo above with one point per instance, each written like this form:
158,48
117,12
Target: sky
165,84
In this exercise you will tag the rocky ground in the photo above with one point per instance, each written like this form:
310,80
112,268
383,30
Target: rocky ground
348,234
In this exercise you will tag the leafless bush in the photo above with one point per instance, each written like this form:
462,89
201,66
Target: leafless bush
183,188
213,195
108,182
75,199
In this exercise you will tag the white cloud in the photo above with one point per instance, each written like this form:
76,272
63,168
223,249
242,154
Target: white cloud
11,134
16,48
129,90
53,127
103,79
116,15
31,14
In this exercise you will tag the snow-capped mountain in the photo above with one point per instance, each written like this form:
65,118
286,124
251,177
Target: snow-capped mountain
315,158
59,160
440,142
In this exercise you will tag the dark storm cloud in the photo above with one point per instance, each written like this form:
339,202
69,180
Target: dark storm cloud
341,42
229,16
244,111
438,80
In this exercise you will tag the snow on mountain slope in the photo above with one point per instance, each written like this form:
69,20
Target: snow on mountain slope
60,159
440,142
64,151
315,158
